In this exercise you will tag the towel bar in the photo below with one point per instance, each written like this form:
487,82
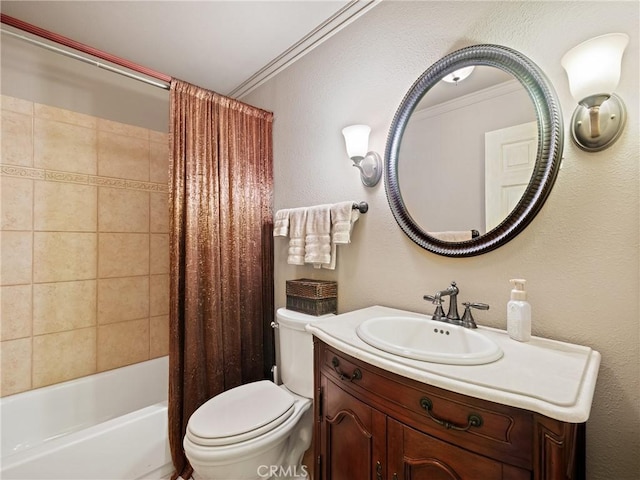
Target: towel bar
363,207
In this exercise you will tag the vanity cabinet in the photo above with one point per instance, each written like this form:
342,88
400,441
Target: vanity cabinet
375,425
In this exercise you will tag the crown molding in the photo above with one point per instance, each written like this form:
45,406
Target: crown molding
346,15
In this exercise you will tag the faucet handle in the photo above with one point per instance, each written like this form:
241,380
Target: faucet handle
438,314
467,318
436,300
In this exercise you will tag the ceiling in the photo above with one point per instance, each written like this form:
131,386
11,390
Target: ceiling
226,46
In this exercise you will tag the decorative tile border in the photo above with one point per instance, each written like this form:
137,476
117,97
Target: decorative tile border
65,177
80,178
108,182
23,172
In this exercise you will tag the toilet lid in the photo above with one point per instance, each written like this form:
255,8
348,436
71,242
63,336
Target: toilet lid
240,414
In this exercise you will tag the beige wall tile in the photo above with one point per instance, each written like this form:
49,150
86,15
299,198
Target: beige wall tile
15,312
58,357
16,254
122,344
159,295
159,336
64,147
159,137
53,321
63,306
64,256
121,299
66,116
65,207
17,203
159,162
122,129
159,222
123,255
159,253
123,157
17,105
15,366
17,139
123,210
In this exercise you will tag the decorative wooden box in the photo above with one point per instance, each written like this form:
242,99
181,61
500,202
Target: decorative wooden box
313,297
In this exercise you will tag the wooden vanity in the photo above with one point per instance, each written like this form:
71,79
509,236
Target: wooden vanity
372,424
375,424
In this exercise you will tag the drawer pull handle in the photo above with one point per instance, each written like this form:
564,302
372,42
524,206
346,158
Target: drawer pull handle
378,471
473,420
356,375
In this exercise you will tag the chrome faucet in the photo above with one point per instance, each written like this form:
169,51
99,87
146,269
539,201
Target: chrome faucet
452,315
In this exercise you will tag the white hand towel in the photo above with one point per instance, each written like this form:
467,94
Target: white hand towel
281,223
317,248
343,216
452,236
297,230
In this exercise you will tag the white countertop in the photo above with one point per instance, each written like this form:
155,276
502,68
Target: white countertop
553,378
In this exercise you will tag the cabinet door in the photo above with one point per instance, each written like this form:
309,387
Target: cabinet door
413,455
353,436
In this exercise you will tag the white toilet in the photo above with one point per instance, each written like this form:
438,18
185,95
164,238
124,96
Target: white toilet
259,430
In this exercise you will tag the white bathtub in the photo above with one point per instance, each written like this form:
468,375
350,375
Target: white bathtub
111,426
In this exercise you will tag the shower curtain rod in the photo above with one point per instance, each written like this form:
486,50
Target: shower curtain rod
14,22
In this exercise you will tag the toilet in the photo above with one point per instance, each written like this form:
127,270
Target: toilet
259,430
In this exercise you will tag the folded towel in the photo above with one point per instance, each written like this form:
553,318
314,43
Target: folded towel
343,216
317,246
452,236
281,223
297,230
315,231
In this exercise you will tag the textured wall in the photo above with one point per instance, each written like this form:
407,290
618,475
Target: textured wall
85,256
580,254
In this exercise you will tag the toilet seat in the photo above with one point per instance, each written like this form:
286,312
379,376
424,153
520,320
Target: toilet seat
240,414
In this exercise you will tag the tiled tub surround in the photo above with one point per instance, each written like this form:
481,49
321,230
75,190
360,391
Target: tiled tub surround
84,254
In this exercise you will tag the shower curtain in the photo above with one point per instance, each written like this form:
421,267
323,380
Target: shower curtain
221,288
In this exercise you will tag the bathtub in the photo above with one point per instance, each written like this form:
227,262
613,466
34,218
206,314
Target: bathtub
111,426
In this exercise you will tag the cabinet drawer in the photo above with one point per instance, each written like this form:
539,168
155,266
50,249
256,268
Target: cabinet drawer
494,430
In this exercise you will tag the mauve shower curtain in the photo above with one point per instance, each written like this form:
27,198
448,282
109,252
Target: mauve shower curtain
221,306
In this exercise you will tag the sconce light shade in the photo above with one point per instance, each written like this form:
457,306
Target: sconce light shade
356,138
593,69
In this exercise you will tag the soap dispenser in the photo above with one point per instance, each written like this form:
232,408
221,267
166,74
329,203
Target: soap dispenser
519,312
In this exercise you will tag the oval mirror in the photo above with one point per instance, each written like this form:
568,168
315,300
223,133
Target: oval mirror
469,162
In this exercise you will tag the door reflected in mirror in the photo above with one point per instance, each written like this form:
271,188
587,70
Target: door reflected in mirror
468,152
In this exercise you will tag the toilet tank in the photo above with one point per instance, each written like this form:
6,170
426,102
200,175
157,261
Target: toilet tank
296,350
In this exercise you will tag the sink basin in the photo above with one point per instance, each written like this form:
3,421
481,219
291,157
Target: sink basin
429,340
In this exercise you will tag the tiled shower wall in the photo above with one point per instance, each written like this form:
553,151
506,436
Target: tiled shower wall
85,257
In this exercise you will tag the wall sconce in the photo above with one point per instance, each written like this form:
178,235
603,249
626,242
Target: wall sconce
593,68
356,138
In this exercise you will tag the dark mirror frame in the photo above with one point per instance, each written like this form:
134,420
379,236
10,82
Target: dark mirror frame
549,152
